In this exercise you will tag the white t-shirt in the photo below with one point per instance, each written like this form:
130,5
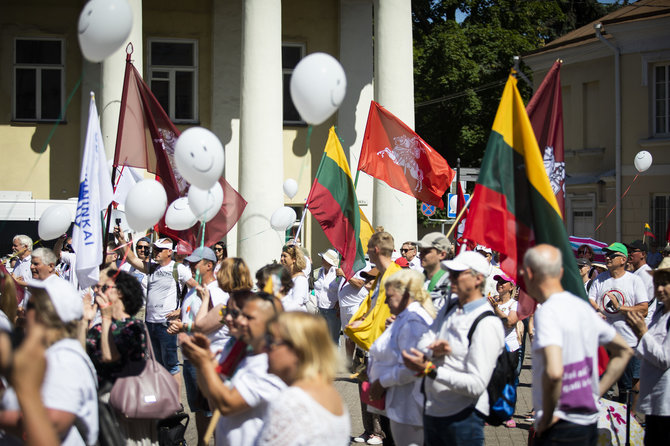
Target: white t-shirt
511,339
191,305
349,295
162,291
323,281
69,385
296,299
294,418
567,321
628,290
648,281
257,387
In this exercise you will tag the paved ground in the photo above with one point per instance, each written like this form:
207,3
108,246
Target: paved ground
495,436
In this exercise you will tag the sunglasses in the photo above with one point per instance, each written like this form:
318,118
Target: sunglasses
218,249
612,255
144,248
271,342
406,249
103,288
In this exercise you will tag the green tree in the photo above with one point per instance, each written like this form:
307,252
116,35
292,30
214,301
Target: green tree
460,68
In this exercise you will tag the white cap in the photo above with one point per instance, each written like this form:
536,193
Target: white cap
468,260
163,243
64,296
483,248
331,257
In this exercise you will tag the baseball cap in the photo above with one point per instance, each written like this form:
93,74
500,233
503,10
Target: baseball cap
64,297
582,261
201,253
163,243
434,240
483,248
638,244
468,260
504,277
617,247
402,262
144,239
331,257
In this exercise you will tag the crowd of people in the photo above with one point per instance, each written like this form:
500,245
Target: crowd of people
422,329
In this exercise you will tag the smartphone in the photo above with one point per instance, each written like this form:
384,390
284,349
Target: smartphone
118,222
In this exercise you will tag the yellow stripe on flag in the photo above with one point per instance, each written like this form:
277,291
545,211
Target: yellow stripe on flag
517,133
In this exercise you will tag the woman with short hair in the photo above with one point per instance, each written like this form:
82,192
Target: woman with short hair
413,312
310,411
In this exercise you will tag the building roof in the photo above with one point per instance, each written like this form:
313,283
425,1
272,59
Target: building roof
640,10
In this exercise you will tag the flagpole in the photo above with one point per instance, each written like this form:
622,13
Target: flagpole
458,217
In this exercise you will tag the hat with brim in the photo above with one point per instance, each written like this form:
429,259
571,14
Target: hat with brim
639,245
598,265
64,296
583,262
201,253
371,274
662,267
435,240
618,248
504,277
402,262
331,257
469,260
163,243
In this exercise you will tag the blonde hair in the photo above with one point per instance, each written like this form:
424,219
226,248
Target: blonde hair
234,275
412,282
297,255
383,241
307,335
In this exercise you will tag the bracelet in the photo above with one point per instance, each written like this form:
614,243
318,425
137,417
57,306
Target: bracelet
430,367
189,327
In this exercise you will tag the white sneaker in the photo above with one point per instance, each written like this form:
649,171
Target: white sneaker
375,439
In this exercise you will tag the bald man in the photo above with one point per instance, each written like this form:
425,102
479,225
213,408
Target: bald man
568,332
243,403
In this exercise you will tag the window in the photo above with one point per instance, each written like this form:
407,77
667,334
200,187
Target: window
581,213
173,77
39,76
660,216
662,100
291,53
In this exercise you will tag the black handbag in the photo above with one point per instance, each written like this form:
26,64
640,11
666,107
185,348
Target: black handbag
171,430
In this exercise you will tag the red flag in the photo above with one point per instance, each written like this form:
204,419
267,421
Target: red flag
146,138
545,111
393,153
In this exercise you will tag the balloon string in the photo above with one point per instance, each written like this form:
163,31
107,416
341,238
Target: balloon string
614,207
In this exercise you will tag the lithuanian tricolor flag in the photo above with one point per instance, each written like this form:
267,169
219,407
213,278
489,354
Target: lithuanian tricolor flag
332,201
513,206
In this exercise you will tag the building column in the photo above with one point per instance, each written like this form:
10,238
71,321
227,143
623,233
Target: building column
356,58
261,147
394,90
113,70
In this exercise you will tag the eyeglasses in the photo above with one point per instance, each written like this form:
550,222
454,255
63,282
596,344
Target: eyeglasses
143,248
218,249
103,288
612,255
232,312
406,249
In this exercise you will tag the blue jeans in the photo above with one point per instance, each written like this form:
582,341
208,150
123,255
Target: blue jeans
195,398
631,372
333,322
164,345
566,433
466,428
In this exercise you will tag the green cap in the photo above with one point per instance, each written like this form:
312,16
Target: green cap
617,247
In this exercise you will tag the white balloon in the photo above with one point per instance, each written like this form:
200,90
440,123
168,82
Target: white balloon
199,157
54,222
642,161
206,203
145,204
318,85
104,25
179,215
290,187
282,218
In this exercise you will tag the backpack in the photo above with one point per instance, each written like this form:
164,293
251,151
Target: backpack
502,386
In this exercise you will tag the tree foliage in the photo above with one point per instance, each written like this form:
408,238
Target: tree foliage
460,68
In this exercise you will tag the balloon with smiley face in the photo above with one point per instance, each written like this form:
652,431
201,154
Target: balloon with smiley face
199,157
642,161
179,215
104,25
318,85
205,203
